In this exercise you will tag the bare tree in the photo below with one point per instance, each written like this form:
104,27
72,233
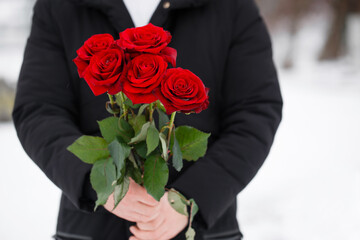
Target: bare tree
335,44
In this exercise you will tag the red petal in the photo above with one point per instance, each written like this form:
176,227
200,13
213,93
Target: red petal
141,98
169,54
167,104
97,90
81,66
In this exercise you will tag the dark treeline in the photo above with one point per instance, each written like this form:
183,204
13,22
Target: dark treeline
293,11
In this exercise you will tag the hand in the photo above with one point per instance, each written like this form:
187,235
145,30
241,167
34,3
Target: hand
166,225
136,206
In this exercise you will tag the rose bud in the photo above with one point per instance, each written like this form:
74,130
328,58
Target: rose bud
181,90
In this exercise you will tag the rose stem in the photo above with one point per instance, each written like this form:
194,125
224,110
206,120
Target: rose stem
190,215
122,97
151,111
171,125
111,98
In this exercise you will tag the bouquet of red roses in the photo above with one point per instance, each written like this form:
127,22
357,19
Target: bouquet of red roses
134,71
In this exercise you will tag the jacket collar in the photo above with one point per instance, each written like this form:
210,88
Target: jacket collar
120,17
174,4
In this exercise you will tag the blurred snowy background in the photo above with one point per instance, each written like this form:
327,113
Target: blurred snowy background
308,188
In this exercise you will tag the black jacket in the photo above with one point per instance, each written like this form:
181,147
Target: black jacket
224,42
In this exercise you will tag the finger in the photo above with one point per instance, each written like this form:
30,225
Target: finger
152,225
165,236
137,217
146,210
157,234
170,232
133,238
134,217
141,194
147,199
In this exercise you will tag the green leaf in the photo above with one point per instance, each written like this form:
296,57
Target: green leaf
177,203
141,149
177,159
132,160
194,210
163,118
102,176
152,139
156,175
142,109
109,128
192,142
134,172
113,127
164,146
141,136
137,122
190,234
129,103
126,131
119,152
121,190
89,149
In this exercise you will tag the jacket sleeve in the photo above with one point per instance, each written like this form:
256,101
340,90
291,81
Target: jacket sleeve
45,110
252,106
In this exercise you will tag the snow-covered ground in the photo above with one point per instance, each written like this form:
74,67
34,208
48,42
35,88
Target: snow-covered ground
308,188
29,201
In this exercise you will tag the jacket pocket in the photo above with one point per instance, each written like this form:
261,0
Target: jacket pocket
226,235
70,236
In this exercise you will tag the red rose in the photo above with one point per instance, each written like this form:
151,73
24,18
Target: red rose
91,46
143,75
104,71
146,39
181,90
